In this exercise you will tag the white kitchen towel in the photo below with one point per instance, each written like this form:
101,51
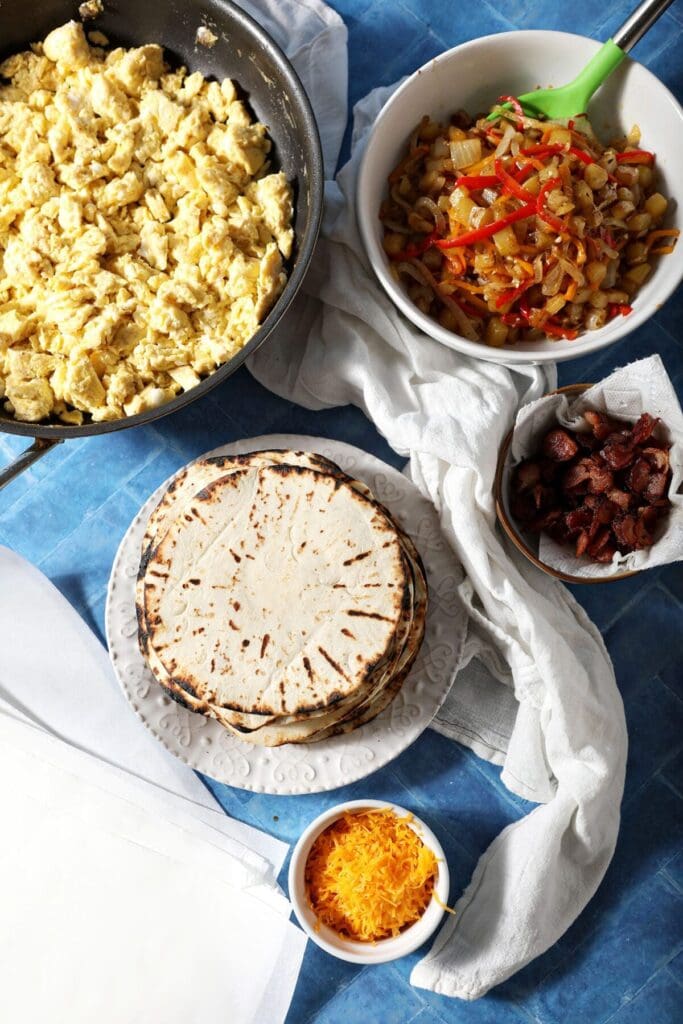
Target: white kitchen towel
539,693
56,673
193,930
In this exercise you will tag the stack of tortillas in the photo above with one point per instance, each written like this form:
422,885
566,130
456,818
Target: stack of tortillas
277,596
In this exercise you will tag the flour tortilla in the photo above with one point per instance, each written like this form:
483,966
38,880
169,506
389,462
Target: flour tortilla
319,604
339,719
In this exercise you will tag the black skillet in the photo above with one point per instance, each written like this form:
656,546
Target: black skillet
243,52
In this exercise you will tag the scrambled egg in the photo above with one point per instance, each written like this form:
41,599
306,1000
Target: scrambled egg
142,236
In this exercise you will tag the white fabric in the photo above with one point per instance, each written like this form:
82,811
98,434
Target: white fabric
539,694
55,672
119,905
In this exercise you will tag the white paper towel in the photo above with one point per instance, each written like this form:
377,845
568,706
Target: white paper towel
116,912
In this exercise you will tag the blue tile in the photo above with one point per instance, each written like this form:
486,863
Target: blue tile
483,19
586,17
649,617
637,934
673,773
660,1000
675,968
459,797
654,718
321,980
375,986
673,871
80,565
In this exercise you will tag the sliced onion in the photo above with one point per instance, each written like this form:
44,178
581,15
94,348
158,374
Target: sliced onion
399,200
440,148
393,225
538,269
504,144
465,152
426,206
573,271
553,280
463,321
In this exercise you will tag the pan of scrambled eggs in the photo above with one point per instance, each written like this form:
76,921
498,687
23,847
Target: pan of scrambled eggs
161,192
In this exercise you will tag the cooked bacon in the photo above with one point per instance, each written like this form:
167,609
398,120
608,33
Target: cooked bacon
559,446
617,455
526,475
600,424
603,491
656,487
638,476
643,428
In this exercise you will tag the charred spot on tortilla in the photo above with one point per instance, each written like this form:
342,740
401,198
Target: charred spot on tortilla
357,558
233,626
264,643
330,660
367,615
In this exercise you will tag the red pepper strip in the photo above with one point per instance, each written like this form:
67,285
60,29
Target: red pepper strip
476,181
524,173
467,308
510,184
489,229
582,155
514,320
554,222
616,310
636,156
523,308
411,252
512,294
570,124
557,331
514,103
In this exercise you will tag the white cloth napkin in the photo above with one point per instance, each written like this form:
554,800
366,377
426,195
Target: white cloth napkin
643,386
55,672
539,694
120,905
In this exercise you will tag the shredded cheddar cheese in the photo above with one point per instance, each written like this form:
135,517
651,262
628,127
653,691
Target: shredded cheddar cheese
369,875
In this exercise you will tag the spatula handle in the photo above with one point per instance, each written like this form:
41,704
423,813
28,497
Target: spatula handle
640,21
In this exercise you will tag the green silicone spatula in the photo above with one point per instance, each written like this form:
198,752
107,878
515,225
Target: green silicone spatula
569,100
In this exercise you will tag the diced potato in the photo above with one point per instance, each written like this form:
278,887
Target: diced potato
656,205
496,332
506,242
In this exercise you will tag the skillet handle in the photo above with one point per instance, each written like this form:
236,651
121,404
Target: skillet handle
41,446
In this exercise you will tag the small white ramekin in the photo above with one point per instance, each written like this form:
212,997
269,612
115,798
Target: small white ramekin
348,949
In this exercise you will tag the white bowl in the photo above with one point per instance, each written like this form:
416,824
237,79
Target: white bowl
348,949
472,76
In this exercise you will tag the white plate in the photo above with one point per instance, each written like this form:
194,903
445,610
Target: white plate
310,767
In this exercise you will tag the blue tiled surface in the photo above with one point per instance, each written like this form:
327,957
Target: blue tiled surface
620,962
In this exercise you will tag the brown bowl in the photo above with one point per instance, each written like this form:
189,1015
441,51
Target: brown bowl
511,529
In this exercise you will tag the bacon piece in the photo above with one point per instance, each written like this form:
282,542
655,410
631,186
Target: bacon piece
620,498
607,553
546,519
527,474
618,456
559,446
657,457
638,476
598,541
601,478
644,528
582,543
643,428
625,531
600,424
656,487
578,519
577,476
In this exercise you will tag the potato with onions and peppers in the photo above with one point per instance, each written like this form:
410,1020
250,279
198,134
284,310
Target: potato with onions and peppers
518,229
600,491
